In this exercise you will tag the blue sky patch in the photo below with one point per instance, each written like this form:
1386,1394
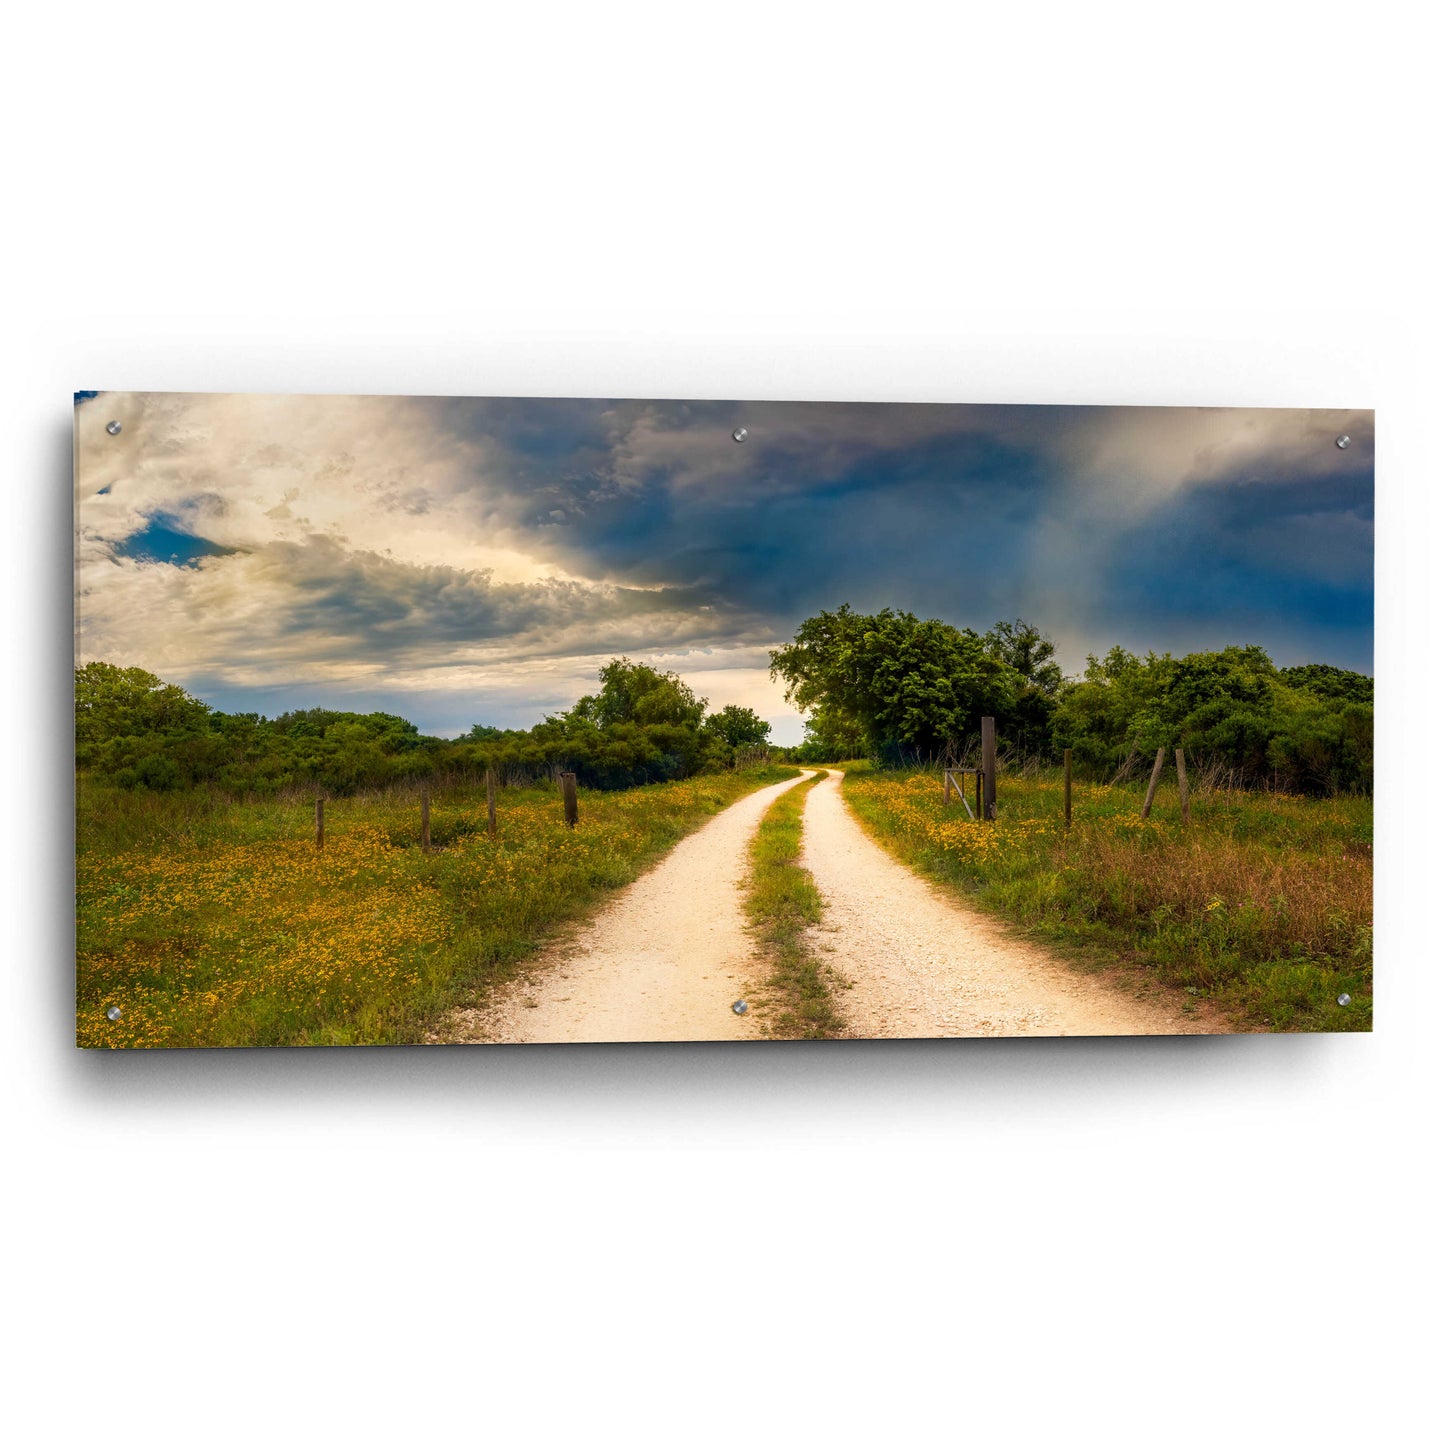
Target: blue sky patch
158,542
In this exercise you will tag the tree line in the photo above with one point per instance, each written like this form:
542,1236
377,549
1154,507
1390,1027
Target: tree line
134,730
888,686
902,690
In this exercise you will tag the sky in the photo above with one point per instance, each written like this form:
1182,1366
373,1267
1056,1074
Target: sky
461,561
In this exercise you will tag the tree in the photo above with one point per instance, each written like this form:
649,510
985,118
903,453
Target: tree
1027,724
1333,683
910,687
737,727
115,702
632,692
140,730
642,726
1021,646
828,737
1232,707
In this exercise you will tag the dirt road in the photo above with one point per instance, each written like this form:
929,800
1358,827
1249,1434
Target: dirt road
923,965
664,960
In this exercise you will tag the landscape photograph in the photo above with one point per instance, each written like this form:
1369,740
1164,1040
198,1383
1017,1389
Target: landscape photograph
442,720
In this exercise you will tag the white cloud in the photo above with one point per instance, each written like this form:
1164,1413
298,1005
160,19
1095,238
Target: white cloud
416,544
383,474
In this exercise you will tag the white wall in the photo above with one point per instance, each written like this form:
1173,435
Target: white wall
1168,1239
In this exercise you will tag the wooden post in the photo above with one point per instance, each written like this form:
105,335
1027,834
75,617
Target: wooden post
1183,785
425,821
569,798
1068,788
990,775
946,798
491,803
1153,782
321,822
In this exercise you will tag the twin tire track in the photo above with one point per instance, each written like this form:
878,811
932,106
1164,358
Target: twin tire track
665,959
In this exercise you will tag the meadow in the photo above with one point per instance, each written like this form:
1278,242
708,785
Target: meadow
1262,906
209,921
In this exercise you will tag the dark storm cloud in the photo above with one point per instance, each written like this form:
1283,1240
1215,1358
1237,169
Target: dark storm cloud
1289,564
1086,519
937,525
343,604
814,499
390,546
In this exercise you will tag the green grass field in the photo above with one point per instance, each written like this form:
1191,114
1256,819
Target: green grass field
213,922
1262,906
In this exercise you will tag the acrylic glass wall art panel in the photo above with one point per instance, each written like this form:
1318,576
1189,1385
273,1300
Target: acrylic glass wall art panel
428,720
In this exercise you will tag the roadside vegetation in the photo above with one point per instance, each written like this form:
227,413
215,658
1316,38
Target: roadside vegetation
782,904
907,692
1262,905
136,731
208,921
207,916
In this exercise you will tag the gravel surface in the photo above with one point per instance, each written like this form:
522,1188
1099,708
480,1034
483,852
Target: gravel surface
664,960
917,963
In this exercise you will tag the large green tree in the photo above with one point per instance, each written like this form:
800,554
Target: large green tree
133,726
1027,724
1021,646
911,687
632,692
641,726
112,702
737,727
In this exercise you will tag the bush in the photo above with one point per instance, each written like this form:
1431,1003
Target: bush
159,773
643,726
1231,709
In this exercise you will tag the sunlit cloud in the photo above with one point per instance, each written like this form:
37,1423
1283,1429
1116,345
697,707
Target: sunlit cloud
493,553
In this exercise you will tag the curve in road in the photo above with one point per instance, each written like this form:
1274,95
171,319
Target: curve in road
664,960
918,963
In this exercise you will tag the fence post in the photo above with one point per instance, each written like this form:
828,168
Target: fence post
491,803
1153,782
945,788
1183,785
425,821
569,798
978,792
320,822
990,773
1068,788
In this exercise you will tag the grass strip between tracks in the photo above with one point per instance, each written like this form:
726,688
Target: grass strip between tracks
782,904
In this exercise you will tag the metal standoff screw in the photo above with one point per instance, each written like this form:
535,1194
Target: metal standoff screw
113,427
1343,999
740,433
112,1013
1342,442
740,1007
